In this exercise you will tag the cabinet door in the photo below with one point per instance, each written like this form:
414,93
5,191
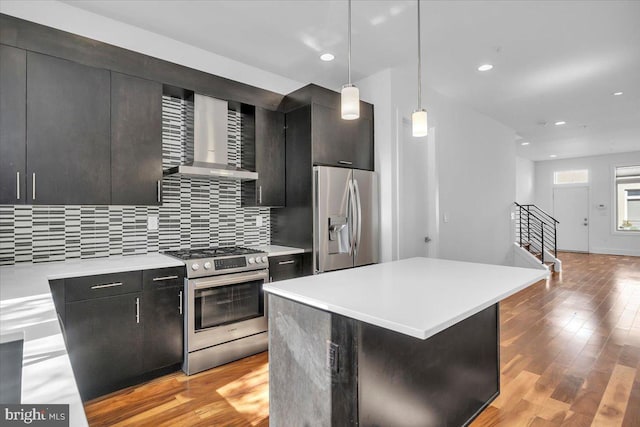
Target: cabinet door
331,137
104,338
163,327
363,144
136,140
270,157
68,132
338,142
285,267
266,154
13,120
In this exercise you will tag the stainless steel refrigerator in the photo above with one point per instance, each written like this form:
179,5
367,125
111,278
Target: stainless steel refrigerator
345,218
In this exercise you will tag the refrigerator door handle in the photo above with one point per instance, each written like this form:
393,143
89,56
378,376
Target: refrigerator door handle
358,227
352,217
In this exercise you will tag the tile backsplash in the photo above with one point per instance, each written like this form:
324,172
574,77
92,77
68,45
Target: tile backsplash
195,213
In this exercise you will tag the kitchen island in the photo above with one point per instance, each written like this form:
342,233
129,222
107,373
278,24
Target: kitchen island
404,343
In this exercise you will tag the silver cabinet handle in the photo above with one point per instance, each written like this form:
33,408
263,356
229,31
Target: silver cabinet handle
159,191
345,162
18,185
107,285
287,262
180,306
137,310
260,194
33,186
160,279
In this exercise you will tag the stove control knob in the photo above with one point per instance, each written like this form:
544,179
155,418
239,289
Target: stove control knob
264,259
207,265
195,266
251,260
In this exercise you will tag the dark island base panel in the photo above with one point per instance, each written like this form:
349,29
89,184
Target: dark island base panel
383,378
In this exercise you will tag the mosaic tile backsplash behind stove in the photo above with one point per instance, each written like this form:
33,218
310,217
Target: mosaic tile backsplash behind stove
195,213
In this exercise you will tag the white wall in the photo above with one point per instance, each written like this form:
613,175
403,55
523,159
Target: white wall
476,158
525,178
68,18
602,236
378,90
469,160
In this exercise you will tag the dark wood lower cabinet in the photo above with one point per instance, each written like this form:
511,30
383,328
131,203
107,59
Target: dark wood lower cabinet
285,267
121,328
163,328
104,338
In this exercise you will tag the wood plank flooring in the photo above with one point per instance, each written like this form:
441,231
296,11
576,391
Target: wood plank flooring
570,356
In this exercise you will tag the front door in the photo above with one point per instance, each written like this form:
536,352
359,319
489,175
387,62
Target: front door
571,209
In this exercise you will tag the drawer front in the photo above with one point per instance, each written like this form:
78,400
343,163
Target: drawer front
162,278
103,285
285,267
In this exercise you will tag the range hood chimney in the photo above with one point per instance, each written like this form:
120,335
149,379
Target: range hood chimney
210,144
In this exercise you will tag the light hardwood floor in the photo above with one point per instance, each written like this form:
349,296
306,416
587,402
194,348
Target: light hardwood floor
570,356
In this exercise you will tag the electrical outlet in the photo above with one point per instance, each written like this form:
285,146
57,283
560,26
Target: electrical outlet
152,222
259,221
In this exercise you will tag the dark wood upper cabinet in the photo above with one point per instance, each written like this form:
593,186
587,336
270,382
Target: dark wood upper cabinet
265,154
334,141
136,140
13,99
68,132
338,142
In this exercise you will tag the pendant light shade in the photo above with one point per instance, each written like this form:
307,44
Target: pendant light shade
350,102
350,95
419,124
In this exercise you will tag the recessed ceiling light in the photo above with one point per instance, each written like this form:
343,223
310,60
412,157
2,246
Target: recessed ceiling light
525,143
616,93
327,57
560,123
485,67
552,155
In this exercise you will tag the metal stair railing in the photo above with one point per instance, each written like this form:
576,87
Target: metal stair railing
536,229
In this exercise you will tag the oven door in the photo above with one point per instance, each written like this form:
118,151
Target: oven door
225,308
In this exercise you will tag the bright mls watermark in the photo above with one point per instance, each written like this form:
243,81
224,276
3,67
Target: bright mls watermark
34,415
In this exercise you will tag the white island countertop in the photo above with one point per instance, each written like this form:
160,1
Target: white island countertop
26,306
418,297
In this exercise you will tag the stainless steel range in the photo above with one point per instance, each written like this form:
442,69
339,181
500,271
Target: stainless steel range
226,309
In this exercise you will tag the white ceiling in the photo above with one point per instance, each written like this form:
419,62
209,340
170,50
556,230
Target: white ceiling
554,60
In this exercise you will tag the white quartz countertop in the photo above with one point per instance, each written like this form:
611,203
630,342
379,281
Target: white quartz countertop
26,306
418,297
275,250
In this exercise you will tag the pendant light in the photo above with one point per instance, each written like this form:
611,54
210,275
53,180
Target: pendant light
419,117
350,95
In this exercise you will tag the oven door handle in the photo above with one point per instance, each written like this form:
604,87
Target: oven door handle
229,279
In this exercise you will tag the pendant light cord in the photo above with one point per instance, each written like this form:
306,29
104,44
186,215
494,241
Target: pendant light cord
349,55
419,63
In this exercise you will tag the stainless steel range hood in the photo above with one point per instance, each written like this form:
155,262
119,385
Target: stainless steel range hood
210,158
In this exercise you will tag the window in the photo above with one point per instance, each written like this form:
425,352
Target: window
628,198
580,176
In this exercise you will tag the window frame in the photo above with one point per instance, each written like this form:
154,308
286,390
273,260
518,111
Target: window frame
614,200
575,184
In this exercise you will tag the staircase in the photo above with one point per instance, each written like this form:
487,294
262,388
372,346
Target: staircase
536,233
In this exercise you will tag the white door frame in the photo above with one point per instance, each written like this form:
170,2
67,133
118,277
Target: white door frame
567,186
